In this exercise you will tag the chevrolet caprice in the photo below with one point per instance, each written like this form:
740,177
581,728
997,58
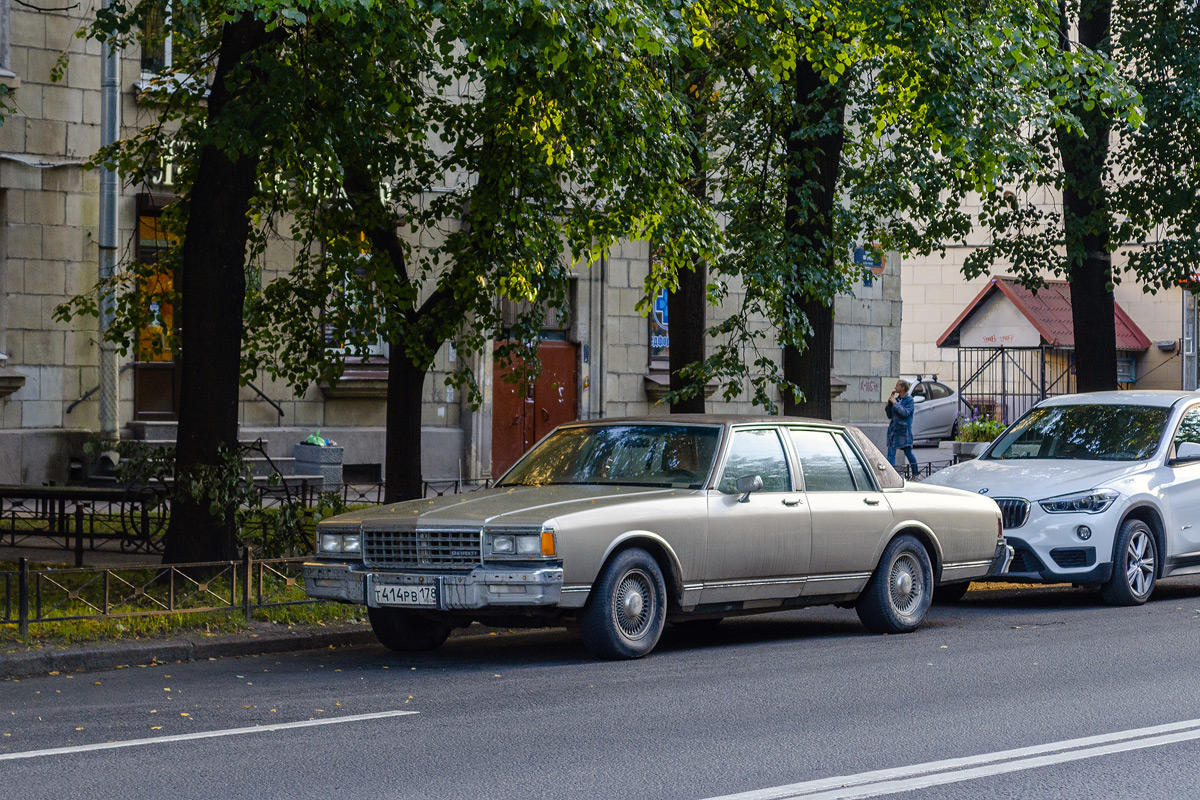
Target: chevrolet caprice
620,526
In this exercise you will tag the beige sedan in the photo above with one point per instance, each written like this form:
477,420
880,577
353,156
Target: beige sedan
623,525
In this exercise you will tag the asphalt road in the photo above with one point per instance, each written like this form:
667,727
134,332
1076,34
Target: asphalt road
780,702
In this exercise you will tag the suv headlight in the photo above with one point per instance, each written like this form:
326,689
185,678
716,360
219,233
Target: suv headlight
339,543
1092,501
520,545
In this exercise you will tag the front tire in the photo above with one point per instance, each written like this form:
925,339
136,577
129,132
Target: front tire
899,594
1135,566
627,609
405,631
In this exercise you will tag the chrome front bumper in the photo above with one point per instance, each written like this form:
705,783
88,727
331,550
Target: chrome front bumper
480,588
1002,560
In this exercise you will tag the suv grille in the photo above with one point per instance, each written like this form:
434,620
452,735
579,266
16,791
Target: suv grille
1014,510
422,549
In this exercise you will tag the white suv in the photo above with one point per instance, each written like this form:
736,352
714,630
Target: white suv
1099,489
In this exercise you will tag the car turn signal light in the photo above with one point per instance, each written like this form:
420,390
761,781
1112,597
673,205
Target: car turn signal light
548,544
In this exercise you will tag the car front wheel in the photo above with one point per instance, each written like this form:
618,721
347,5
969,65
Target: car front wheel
625,614
1135,566
899,593
406,632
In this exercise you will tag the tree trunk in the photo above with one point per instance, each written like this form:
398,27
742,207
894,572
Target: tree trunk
1087,221
406,382
687,305
814,136
213,295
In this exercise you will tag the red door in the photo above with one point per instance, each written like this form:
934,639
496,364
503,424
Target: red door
525,411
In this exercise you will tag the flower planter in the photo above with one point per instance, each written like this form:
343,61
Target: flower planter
963,450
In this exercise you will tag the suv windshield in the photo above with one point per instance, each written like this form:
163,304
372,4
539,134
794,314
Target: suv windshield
678,456
1090,432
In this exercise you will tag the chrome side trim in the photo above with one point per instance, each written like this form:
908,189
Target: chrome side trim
845,577
576,588
987,562
754,582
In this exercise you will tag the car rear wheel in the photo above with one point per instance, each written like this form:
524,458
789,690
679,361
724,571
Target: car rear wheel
899,593
405,631
1135,566
627,609
954,430
951,592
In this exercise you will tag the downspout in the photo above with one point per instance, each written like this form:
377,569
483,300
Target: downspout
110,113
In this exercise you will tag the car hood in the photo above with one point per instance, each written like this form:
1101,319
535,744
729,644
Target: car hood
503,506
1033,479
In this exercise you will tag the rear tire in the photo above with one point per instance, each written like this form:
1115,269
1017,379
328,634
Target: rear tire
1135,566
899,594
627,609
406,631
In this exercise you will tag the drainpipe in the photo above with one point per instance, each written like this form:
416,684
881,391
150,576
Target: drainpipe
110,113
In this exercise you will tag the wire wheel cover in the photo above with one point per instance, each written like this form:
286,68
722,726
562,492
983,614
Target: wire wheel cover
635,604
906,584
1139,563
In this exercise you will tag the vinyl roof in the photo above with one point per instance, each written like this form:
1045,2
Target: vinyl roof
1049,311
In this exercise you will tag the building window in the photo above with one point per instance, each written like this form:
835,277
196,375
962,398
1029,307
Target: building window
156,41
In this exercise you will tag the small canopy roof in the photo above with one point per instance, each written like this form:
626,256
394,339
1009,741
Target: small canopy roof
1006,313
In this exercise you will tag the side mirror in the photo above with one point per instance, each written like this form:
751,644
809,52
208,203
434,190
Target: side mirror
918,398
747,484
1185,452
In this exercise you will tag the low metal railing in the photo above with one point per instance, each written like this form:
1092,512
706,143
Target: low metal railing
373,493
31,596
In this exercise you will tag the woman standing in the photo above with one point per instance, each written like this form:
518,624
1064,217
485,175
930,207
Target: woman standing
899,410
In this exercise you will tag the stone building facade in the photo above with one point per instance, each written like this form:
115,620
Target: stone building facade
49,209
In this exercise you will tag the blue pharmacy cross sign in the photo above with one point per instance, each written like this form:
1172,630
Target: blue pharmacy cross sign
660,308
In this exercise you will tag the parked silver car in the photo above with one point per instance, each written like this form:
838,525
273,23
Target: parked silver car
935,408
623,525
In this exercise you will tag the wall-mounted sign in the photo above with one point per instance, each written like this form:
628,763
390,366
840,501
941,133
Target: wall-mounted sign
660,337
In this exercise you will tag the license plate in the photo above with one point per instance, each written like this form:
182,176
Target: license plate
405,595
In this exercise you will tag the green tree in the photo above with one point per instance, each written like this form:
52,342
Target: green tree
1128,185
844,123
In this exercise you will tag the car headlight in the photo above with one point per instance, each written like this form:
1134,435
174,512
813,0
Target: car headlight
1092,501
337,543
521,545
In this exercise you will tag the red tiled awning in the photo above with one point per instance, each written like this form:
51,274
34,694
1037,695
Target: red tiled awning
1049,312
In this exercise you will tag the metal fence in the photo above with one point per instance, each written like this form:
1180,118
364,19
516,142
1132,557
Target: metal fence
359,493
31,596
1004,382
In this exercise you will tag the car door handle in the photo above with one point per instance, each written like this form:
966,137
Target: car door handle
792,501
871,501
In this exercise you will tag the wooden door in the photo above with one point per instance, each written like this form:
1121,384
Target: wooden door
526,410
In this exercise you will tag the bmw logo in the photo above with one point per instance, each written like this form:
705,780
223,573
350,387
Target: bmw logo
983,491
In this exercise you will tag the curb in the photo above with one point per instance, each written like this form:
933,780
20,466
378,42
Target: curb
103,657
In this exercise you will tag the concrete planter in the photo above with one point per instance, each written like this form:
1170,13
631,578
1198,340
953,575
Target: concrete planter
312,459
963,450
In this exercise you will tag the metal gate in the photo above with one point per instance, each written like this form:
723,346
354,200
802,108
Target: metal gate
1004,382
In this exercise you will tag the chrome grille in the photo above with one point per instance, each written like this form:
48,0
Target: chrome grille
1014,510
433,548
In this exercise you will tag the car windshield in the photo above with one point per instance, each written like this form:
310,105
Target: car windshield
678,456
1088,432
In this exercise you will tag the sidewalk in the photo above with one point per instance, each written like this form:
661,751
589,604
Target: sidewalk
263,637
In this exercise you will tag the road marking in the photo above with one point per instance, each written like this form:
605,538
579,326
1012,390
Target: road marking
187,737
955,770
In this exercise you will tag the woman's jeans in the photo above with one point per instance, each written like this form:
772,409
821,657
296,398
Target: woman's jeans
908,452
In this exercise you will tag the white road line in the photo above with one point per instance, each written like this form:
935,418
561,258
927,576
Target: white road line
187,737
954,770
